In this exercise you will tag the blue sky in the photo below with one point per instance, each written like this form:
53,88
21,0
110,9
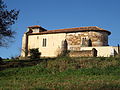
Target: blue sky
56,14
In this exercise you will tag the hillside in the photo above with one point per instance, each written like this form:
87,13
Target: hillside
64,73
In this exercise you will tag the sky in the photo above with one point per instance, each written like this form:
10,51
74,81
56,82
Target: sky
59,14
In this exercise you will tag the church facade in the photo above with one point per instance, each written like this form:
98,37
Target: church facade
51,42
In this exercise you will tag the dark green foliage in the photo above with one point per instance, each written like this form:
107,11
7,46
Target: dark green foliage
1,60
34,53
7,18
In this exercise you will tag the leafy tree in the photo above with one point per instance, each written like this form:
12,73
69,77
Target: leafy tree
7,18
34,53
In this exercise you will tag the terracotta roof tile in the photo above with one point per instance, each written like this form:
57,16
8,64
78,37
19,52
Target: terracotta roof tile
70,30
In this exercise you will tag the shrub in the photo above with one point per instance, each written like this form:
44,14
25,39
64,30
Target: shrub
1,60
34,53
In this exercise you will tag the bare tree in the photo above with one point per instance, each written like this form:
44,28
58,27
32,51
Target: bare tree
7,18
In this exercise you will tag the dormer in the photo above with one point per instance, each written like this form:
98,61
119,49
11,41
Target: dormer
36,29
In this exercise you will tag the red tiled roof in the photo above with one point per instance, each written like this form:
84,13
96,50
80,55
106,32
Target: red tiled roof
70,30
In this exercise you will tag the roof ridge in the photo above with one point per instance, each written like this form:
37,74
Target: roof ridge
38,26
81,27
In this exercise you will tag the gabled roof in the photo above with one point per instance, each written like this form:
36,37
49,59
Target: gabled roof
71,30
37,26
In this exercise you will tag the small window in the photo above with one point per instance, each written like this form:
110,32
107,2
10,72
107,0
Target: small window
44,42
37,37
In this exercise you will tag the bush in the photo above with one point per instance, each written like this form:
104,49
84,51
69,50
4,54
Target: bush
34,53
1,60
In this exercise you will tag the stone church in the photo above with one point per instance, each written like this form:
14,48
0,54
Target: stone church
51,42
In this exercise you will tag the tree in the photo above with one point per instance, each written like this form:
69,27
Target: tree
34,53
7,19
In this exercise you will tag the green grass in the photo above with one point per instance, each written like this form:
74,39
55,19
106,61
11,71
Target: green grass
64,73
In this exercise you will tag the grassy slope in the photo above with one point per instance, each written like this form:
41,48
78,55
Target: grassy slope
64,73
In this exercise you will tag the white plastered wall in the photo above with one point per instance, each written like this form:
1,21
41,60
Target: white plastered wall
53,43
103,51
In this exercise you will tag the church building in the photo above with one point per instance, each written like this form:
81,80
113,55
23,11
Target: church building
51,42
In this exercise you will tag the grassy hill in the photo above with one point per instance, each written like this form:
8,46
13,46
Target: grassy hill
64,73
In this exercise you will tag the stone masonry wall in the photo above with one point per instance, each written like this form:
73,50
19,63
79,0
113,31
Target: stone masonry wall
97,39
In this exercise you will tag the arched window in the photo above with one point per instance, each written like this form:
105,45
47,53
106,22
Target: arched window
83,41
64,44
89,43
64,47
